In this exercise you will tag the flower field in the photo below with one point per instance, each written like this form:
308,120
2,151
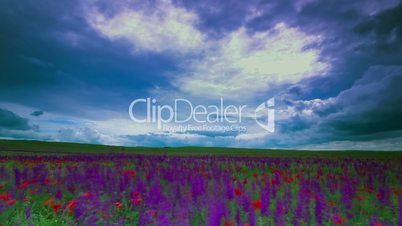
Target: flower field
198,190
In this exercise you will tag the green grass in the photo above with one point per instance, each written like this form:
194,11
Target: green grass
11,147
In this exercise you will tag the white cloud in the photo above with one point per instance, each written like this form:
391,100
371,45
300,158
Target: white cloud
241,65
164,28
86,135
238,65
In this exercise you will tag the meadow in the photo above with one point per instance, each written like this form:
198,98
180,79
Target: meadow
73,184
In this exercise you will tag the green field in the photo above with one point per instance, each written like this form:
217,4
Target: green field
42,147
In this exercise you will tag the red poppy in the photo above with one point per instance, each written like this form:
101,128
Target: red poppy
136,200
338,220
87,195
377,223
5,196
10,202
227,223
56,207
72,204
238,192
245,181
394,191
48,202
118,204
256,204
154,214
131,173
23,185
48,180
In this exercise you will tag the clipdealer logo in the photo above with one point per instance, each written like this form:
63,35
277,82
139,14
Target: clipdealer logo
148,110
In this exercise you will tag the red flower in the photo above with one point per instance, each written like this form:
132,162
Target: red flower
72,204
48,180
136,200
338,220
245,181
10,202
370,190
154,214
118,204
256,204
23,185
56,207
131,173
238,192
48,202
5,196
228,223
377,223
87,195
289,179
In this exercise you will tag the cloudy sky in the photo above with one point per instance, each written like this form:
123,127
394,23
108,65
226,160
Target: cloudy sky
70,69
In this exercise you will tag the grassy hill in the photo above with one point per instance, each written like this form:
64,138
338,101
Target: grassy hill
42,147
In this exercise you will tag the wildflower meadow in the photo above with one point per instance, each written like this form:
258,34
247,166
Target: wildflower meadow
124,189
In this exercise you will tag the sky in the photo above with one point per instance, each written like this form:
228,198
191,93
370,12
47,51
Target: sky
70,70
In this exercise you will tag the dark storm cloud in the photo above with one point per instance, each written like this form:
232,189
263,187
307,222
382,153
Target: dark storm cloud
364,84
12,121
51,59
369,110
372,105
37,113
13,126
384,31
336,22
